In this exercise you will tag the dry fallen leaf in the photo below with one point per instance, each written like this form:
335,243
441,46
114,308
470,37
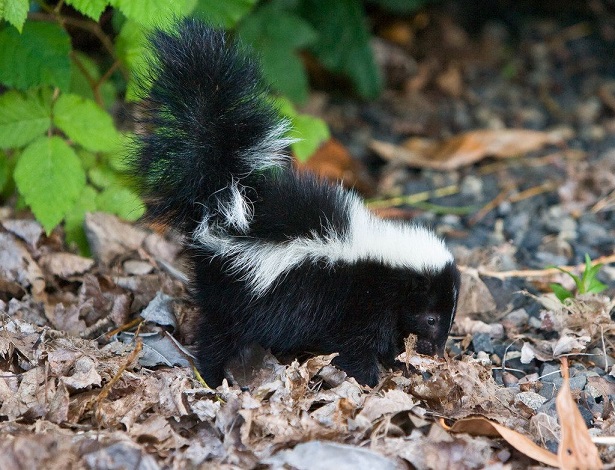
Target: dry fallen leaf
480,426
333,162
576,449
467,148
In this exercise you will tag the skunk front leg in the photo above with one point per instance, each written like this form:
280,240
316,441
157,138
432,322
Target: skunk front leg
360,364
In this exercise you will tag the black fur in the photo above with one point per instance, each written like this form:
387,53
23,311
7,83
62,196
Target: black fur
206,111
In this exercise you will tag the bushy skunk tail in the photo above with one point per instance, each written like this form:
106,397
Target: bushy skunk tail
208,126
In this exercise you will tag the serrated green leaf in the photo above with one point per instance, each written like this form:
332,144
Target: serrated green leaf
277,34
343,44
120,201
311,132
154,13
23,118
85,123
39,56
225,14
15,12
73,225
560,292
90,8
50,178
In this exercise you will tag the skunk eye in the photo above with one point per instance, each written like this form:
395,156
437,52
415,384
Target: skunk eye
431,321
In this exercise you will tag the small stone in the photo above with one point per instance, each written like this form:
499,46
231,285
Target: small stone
515,321
482,342
549,372
472,186
602,361
137,268
530,399
548,390
509,379
548,407
483,358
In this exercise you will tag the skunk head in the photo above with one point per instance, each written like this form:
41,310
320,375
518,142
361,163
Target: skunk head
430,308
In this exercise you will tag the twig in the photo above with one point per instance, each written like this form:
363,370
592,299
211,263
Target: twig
503,197
533,191
604,203
499,199
109,385
539,273
411,199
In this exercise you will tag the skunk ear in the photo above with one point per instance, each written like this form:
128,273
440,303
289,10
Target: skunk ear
418,283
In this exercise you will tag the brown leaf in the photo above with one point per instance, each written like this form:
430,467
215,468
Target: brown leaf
333,162
467,148
576,449
65,265
480,426
109,237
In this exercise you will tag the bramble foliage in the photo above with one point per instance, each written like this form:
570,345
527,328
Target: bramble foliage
586,283
60,149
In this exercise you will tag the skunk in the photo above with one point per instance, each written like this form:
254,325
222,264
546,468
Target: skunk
276,257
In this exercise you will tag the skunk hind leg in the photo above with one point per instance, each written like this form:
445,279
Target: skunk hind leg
213,350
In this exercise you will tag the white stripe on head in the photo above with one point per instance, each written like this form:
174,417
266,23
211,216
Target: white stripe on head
368,239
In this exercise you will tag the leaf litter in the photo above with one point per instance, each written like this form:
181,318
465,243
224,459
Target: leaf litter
81,398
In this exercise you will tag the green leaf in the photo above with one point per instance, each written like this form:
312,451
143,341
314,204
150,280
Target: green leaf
39,56
4,171
343,44
401,6
90,8
117,159
79,84
154,13
595,287
23,118
560,292
311,132
73,225
102,176
277,34
223,13
85,123
131,47
15,12
120,201
50,178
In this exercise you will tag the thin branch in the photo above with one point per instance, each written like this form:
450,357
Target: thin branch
538,273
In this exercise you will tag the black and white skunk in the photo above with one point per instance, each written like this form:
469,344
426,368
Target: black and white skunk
277,258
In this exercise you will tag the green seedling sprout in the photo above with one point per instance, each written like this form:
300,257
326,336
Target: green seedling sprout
586,283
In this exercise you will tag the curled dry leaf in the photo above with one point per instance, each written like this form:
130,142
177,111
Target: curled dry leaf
576,450
467,148
479,426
